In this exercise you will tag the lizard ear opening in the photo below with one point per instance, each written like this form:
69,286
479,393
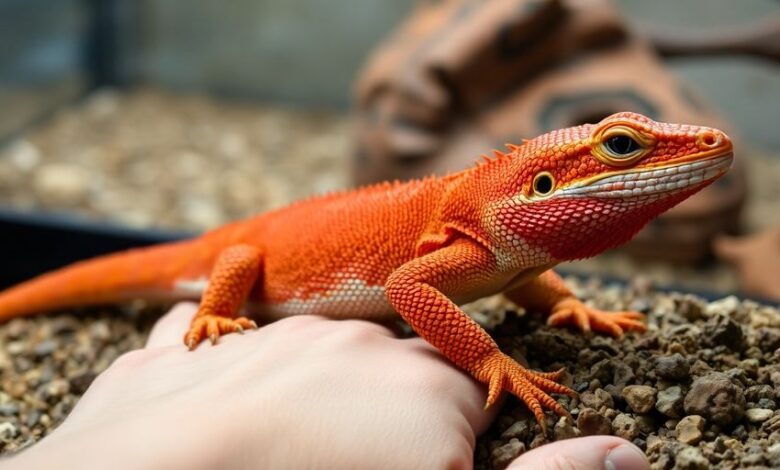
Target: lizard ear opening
543,184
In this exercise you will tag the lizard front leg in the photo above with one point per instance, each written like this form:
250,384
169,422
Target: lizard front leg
548,293
417,291
233,276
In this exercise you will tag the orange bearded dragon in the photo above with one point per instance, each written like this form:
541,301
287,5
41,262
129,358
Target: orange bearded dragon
421,248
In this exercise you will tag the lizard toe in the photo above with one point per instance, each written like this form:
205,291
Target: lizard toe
212,327
573,312
501,372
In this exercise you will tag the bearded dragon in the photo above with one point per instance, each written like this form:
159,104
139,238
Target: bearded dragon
422,248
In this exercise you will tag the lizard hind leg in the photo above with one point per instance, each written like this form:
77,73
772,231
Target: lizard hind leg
235,273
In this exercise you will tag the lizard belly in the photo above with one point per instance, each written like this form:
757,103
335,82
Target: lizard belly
352,298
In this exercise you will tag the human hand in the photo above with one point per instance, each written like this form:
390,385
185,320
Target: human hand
302,392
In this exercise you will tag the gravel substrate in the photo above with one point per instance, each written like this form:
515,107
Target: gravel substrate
47,362
153,159
699,390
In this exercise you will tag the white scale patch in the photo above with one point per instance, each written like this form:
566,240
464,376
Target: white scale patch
191,287
515,252
651,182
352,298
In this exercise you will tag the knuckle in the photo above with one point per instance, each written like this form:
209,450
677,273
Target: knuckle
455,457
129,361
353,331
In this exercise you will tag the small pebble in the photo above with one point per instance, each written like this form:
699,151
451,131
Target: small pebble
45,348
597,399
564,429
519,430
591,423
722,330
758,415
767,403
7,430
61,183
502,456
689,429
33,417
100,331
56,388
690,458
625,426
717,398
723,306
674,367
670,402
641,398
15,388
16,348
9,409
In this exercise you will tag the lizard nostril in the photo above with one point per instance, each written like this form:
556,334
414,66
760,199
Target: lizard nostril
709,139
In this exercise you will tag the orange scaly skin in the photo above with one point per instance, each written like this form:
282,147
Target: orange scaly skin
423,247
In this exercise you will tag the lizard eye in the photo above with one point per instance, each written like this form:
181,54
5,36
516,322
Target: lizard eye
543,183
620,145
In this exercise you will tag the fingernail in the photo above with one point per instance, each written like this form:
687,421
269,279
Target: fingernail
626,457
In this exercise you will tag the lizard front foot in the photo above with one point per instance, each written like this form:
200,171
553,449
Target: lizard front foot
213,326
501,372
572,311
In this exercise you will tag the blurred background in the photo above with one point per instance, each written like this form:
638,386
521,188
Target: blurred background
136,121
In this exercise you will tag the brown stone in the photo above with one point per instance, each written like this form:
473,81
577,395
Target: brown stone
445,88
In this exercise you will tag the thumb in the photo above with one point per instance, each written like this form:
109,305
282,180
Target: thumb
584,453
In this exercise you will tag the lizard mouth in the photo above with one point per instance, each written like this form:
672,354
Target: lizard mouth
659,180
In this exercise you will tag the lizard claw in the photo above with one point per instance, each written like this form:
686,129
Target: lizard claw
501,372
573,311
212,327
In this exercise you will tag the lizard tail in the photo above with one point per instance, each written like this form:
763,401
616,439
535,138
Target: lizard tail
139,273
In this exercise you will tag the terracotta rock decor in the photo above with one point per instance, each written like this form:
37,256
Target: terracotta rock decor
458,78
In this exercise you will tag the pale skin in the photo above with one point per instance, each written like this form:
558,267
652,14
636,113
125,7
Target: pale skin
304,392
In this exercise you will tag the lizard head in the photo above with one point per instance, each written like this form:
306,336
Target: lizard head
576,192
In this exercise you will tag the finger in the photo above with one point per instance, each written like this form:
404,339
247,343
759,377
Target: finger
584,453
169,329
